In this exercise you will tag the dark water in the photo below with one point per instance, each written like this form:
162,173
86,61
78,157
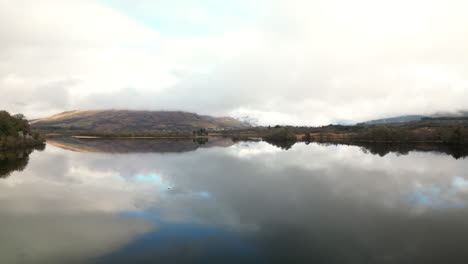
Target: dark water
248,202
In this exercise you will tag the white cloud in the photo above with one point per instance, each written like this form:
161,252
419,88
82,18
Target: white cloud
302,62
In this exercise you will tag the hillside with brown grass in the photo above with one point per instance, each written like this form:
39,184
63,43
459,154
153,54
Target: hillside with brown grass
127,120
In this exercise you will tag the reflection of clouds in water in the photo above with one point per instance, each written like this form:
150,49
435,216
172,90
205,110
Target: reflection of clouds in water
460,182
152,177
248,187
61,211
348,172
249,149
449,196
58,238
345,171
206,195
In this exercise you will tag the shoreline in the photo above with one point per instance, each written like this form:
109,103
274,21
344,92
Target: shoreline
123,137
246,138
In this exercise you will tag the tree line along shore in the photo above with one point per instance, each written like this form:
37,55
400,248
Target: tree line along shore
451,133
430,132
15,132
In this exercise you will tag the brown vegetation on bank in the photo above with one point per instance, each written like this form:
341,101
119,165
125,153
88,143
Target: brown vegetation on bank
133,120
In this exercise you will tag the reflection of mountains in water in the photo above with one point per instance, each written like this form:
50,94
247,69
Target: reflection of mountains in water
15,160
455,150
126,145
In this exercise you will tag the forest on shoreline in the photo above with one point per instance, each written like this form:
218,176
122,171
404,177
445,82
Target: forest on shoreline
16,133
441,130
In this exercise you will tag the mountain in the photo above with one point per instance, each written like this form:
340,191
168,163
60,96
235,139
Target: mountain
411,118
461,113
393,120
129,120
252,121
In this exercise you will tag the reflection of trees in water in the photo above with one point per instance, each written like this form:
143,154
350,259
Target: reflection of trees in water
455,150
15,160
200,140
282,144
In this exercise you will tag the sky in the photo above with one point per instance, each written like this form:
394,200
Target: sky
299,62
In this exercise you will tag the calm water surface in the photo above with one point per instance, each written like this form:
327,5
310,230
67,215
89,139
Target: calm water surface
249,202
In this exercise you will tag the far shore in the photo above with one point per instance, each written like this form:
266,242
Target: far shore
298,136
123,137
251,136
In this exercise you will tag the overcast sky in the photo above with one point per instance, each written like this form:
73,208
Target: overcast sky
280,61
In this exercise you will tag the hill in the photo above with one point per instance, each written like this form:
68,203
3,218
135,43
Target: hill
127,120
460,115
394,120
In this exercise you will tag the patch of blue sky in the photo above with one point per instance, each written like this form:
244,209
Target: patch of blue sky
421,198
212,243
205,195
167,188
191,18
459,182
152,177
174,192
436,197
150,215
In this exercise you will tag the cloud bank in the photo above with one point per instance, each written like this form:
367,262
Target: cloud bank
298,62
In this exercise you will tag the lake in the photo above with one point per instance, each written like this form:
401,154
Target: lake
149,201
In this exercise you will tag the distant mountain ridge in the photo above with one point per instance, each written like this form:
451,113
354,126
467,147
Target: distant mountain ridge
393,120
134,120
411,118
